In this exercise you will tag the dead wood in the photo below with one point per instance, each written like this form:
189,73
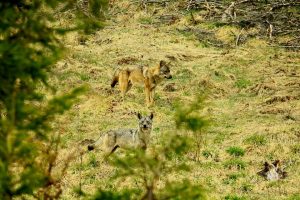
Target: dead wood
273,18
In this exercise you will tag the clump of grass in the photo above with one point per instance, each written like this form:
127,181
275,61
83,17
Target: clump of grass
186,34
294,197
234,197
185,74
246,187
84,77
207,153
235,163
92,160
235,151
146,20
210,25
225,34
257,140
295,149
78,192
232,178
82,39
242,83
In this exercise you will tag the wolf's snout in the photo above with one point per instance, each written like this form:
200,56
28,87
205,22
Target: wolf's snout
91,147
168,76
145,126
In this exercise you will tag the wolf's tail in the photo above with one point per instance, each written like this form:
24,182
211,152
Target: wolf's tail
114,81
115,78
93,145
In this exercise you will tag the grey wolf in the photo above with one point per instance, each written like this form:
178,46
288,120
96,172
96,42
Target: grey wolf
110,141
273,171
150,77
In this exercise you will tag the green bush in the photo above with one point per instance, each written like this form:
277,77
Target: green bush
29,47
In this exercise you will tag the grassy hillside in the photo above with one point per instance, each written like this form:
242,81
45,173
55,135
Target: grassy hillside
253,95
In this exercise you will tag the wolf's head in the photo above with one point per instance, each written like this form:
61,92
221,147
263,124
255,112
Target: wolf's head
273,171
164,70
145,122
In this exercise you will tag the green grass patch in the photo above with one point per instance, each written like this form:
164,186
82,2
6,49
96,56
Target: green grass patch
242,83
207,153
257,140
235,151
246,187
92,161
221,137
146,20
234,197
84,77
295,149
187,34
232,178
184,74
294,197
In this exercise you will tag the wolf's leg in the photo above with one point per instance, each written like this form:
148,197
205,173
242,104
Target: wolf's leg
124,82
113,150
124,88
147,91
148,96
129,86
152,96
109,151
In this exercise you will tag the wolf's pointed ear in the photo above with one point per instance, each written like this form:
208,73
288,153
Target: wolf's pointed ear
139,115
267,165
276,163
151,116
162,63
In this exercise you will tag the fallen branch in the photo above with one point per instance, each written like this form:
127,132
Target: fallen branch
238,38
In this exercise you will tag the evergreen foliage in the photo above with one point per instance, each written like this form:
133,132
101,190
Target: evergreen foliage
29,46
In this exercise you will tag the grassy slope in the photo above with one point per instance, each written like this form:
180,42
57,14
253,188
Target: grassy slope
239,83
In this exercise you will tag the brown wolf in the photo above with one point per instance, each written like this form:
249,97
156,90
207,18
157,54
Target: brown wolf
125,138
148,76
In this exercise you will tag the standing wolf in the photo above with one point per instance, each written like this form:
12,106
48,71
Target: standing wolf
125,138
149,76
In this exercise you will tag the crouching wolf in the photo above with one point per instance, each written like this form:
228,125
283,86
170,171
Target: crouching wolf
125,138
148,76
273,171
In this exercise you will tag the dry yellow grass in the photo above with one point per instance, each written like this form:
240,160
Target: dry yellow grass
253,94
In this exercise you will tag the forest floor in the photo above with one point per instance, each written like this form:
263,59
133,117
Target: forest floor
252,94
